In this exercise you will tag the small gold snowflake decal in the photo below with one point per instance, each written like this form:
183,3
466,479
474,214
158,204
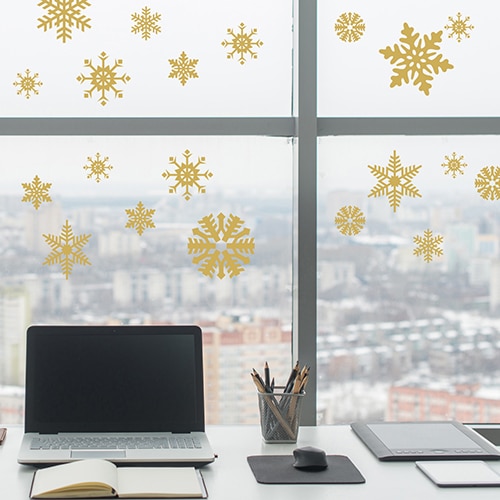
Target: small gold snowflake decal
187,174
242,43
487,183
27,83
146,23
416,59
428,245
350,27
98,167
140,218
183,68
454,165
36,192
103,78
350,220
64,15
67,249
459,27
394,181
221,245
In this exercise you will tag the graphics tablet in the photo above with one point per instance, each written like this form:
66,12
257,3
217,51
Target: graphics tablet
395,441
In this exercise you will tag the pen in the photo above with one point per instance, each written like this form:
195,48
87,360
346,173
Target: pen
3,434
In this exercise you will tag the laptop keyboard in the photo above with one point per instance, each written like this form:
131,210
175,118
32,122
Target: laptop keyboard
113,443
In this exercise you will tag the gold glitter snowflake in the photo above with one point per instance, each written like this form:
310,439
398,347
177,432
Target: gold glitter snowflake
103,78
183,68
221,245
67,249
242,43
394,181
350,220
187,174
146,23
36,192
140,218
98,166
459,27
416,59
350,27
64,15
454,165
27,83
487,183
428,245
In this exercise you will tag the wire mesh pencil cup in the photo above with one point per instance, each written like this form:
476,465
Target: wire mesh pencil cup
280,416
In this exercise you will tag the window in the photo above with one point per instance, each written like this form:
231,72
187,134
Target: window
142,185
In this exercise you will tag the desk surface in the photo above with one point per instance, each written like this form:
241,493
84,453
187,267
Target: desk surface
230,477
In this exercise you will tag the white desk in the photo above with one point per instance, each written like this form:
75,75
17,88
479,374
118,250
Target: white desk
230,477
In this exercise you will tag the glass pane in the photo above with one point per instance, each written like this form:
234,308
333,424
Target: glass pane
408,278
389,58
151,230
189,58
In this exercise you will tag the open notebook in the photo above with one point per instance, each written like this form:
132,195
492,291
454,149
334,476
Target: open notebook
128,394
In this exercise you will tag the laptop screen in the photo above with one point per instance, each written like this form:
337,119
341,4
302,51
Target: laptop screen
114,379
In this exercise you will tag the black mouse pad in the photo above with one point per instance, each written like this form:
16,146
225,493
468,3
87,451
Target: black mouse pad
279,469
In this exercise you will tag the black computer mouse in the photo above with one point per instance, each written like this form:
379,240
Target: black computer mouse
310,459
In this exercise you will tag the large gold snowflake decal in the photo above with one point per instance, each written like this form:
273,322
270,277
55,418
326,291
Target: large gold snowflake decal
103,78
146,23
454,165
350,27
416,59
350,220
183,68
394,181
67,249
221,245
64,15
242,43
187,174
428,245
36,192
140,218
459,27
98,167
487,183
27,83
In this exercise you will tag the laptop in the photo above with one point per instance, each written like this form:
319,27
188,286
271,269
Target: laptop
128,394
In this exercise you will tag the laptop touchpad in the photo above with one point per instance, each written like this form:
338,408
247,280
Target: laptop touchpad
109,454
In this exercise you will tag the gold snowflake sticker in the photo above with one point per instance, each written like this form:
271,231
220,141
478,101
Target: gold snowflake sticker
36,192
67,249
350,220
428,245
416,59
350,27
220,245
140,218
146,23
394,181
183,68
64,15
187,174
459,27
27,83
487,183
454,165
242,43
98,167
103,78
